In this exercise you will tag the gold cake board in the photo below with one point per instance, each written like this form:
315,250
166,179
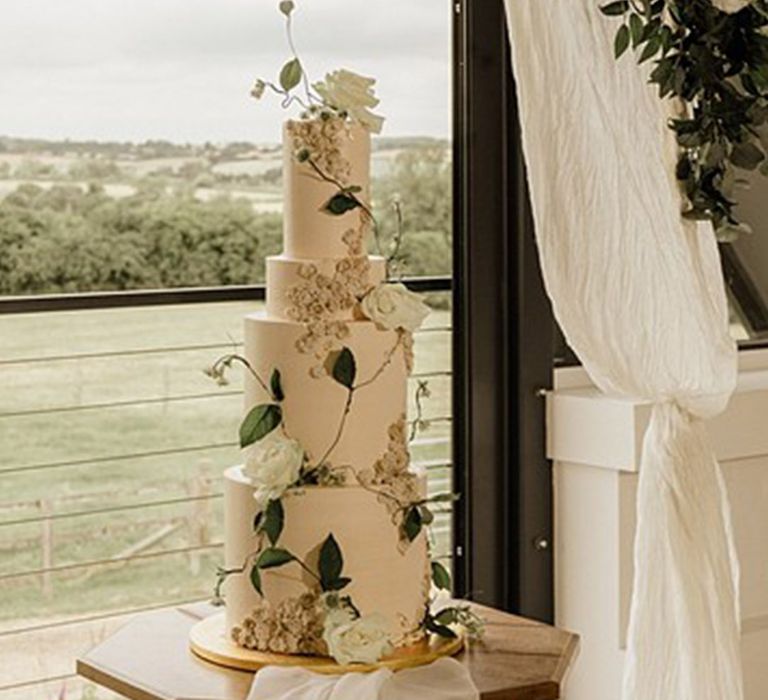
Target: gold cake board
208,641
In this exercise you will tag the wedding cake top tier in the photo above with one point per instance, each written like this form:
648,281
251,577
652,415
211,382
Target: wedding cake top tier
322,157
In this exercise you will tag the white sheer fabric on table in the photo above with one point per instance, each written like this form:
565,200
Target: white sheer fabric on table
639,294
445,679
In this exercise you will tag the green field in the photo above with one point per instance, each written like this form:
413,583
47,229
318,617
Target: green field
53,411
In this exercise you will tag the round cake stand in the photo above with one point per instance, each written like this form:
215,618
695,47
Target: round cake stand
208,640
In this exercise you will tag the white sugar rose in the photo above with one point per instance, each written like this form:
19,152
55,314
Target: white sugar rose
731,6
393,306
364,640
272,465
351,93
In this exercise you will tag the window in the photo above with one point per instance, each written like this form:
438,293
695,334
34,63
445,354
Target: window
132,157
745,262
134,167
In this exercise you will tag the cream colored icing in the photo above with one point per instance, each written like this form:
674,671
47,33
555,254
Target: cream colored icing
313,406
384,578
309,232
295,284
312,290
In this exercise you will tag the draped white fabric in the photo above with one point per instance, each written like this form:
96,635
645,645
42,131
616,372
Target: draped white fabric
640,297
444,679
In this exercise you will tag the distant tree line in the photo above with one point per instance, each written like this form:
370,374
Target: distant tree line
70,239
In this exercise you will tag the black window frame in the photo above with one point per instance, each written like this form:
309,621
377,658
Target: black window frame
504,335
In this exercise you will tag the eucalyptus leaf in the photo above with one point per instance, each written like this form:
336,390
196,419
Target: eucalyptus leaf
440,576
276,386
274,557
447,616
412,523
440,630
341,203
290,75
618,7
257,520
621,43
345,368
650,49
331,563
274,520
260,421
256,579
636,28
338,584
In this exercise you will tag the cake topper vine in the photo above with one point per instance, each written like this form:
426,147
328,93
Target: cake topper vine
342,93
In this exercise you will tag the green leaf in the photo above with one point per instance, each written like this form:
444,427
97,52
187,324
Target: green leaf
651,49
412,524
621,43
440,576
345,368
290,75
341,203
331,563
427,516
338,584
274,520
636,28
447,616
256,579
746,155
260,421
618,7
276,386
257,520
441,630
274,557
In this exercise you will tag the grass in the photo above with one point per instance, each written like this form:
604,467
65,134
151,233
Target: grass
57,435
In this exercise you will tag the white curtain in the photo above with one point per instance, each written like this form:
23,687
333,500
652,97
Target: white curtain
640,296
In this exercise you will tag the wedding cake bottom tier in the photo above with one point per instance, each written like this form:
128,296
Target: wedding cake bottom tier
388,576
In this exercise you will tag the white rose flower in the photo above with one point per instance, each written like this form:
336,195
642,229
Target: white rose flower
394,306
351,93
273,464
731,6
364,640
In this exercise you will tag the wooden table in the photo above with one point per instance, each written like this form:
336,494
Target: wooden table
149,659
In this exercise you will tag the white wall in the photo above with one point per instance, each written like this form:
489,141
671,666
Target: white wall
595,444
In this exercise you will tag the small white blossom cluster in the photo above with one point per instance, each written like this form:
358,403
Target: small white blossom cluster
390,475
319,299
320,140
293,626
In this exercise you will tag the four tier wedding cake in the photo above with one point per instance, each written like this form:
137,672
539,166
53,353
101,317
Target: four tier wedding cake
325,522
329,486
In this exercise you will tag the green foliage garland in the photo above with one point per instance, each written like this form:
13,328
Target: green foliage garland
716,64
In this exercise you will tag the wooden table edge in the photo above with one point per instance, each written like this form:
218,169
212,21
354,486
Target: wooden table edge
116,683
544,690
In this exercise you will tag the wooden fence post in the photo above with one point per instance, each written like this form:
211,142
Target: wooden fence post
198,519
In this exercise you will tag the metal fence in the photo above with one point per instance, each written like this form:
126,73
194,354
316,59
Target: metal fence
102,515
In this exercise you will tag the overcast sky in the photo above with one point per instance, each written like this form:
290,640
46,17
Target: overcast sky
182,69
